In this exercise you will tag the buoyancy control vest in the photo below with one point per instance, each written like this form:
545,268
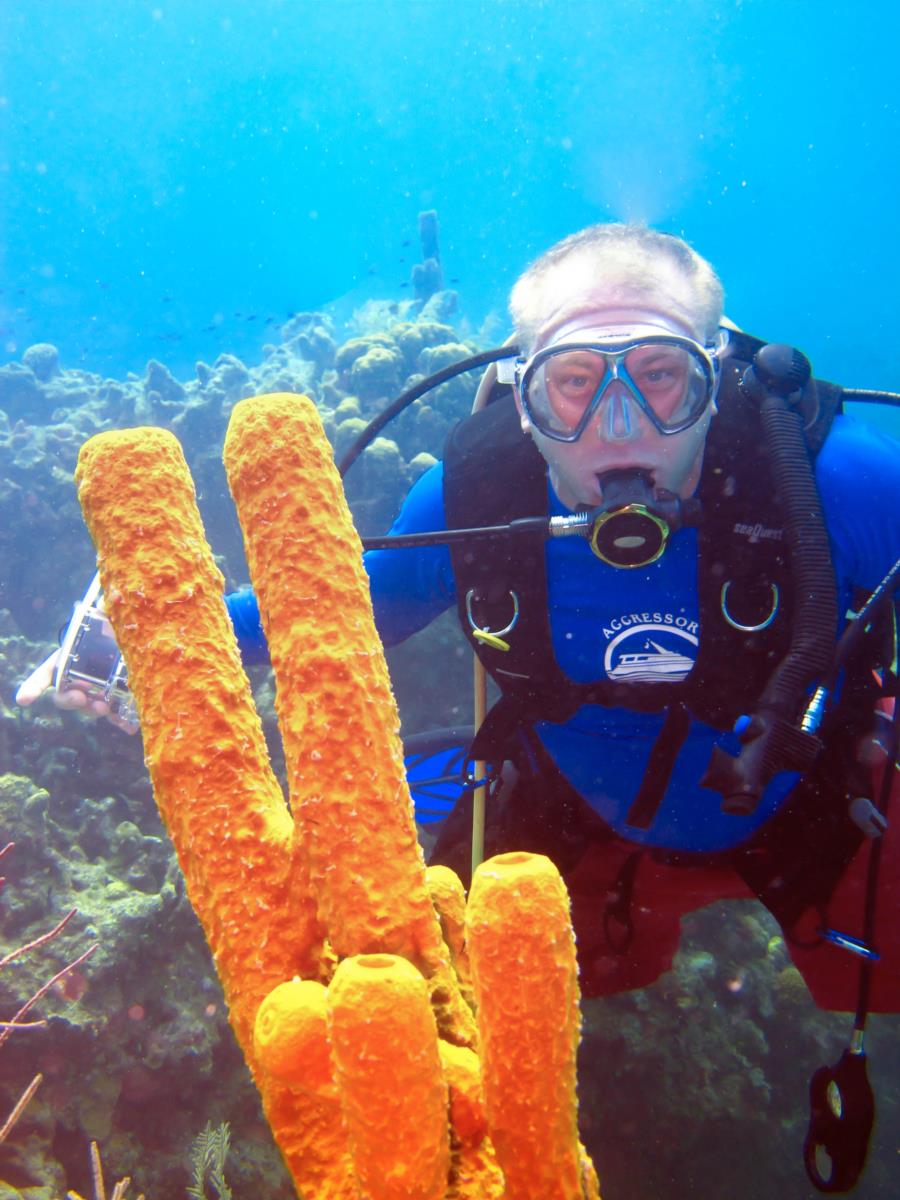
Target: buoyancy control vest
493,474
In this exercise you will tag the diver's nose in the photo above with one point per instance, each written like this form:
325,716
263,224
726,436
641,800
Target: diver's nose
620,420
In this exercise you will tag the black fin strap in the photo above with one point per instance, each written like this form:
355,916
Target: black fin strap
660,765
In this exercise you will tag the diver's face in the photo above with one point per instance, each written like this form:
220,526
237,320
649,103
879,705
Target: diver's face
618,435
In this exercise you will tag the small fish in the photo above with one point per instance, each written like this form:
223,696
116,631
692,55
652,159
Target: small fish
252,317
455,279
408,242
405,283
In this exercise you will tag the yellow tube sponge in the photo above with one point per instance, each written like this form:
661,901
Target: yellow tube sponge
528,1020
290,1036
335,706
203,741
246,877
388,1069
449,899
474,1174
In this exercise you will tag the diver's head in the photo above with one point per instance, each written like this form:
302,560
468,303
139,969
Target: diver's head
605,266
618,325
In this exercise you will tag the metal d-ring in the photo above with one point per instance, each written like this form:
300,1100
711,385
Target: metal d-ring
492,637
776,600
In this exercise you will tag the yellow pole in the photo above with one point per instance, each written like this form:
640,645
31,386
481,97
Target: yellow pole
479,711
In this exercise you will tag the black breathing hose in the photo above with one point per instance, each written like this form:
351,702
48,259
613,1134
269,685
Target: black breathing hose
772,740
414,393
783,372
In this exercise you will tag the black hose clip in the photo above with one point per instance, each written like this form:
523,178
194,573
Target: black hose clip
769,744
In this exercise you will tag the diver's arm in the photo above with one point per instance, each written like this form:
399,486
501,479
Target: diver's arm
858,476
410,587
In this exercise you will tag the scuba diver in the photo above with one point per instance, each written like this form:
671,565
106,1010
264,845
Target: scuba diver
655,531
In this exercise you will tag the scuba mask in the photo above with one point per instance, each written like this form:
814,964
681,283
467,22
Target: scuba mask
669,379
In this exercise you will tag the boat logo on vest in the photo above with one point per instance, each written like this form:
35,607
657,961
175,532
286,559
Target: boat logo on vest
661,648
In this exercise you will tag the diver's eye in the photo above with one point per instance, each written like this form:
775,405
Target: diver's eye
574,377
659,375
575,383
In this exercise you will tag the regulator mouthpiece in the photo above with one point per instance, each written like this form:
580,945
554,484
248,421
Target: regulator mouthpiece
632,526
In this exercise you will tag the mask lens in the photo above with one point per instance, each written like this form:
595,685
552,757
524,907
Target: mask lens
670,381
563,387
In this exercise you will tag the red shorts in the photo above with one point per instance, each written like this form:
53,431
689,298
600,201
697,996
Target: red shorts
662,894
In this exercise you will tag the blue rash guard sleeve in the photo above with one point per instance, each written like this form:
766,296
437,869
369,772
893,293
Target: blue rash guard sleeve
409,587
858,475
244,613
412,586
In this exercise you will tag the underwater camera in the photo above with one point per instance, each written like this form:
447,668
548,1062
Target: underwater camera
90,660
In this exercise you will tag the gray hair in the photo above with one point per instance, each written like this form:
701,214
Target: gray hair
628,262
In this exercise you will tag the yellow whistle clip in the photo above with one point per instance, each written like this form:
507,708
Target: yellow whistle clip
490,639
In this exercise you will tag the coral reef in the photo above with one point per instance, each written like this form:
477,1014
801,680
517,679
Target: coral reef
350,867
47,411
125,1032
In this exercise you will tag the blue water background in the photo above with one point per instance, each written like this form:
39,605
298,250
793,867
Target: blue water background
166,167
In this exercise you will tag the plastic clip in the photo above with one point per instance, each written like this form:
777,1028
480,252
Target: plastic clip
846,942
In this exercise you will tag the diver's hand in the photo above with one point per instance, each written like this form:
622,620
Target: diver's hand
40,679
72,698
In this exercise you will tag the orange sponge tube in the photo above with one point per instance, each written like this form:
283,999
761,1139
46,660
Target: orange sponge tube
529,1025
385,1050
203,742
336,710
290,1037
449,899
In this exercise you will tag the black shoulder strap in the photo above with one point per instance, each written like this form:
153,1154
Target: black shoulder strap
493,474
